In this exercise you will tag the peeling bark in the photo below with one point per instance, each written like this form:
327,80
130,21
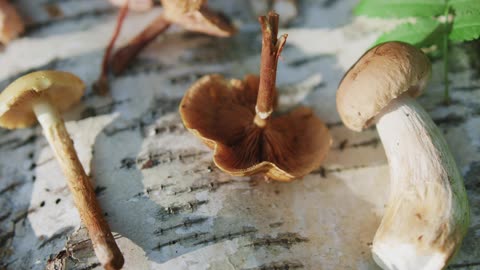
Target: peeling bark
167,204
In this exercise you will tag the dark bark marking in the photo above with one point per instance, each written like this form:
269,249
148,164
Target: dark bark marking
181,240
189,222
11,187
176,209
282,265
229,236
58,235
286,240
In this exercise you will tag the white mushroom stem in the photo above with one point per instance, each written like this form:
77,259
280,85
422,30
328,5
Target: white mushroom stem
79,184
427,212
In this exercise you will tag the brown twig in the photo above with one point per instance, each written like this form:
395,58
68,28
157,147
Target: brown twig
101,86
127,53
271,50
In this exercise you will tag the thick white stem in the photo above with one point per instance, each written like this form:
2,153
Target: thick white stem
427,214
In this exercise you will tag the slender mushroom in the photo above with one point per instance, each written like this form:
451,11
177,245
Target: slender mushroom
427,213
41,96
192,15
234,118
11,24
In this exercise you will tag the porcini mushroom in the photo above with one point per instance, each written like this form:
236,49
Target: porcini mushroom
41,96
193,15
234,118
427,213
11,24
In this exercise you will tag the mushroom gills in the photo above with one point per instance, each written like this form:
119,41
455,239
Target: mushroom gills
427,212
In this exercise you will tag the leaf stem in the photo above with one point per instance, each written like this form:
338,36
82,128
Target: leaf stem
445,54
271,49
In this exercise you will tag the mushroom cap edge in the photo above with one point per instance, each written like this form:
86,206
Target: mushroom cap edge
63,89
380,75
221,149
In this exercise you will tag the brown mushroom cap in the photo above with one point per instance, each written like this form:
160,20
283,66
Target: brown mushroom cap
194,15
221,113
11,24
63,89
382,74
182,6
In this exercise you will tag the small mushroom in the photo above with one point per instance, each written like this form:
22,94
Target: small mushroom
193,15
234,118
427,213
11,24
41,96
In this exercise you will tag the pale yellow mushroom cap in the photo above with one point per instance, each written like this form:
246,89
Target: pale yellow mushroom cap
382,74
62,89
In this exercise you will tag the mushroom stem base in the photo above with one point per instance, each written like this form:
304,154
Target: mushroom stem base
79,184
427,214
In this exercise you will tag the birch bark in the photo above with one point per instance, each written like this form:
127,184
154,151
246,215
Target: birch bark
168,205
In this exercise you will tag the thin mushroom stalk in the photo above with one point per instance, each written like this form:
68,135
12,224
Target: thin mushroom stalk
127,53
271,50
79,184
101,86
427,212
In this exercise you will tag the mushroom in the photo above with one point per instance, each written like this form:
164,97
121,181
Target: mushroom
11,24
41,96
234,118
193,15
427,213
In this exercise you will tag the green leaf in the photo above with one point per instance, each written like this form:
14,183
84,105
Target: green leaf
465,6
465,28
400,8
416,34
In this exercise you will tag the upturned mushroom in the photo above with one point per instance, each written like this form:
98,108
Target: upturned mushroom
427,213
234,118
11,24
192,15
41,96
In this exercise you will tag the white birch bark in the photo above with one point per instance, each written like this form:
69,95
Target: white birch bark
162,195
